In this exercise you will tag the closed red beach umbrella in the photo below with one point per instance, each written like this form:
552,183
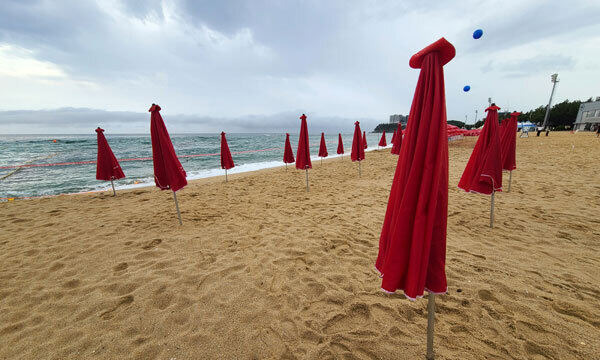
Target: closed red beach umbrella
168,172
412,245
393,137
483,173
226,160
358,151
107,166
303,154
364,138
288,154
382,141
323,147
398,140
508,143
340,148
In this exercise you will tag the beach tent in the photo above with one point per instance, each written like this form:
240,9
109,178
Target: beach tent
340,148
527,126
508,143
322,148
303,154
226,160
382,141
107,165
483,173
412,245
364,138
358,150
168,172
397,141
288,154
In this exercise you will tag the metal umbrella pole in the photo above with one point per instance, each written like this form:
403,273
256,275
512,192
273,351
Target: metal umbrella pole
177,207
225,175
492,210
307,188
430,325
113,187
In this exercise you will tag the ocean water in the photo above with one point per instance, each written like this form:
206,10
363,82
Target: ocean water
37,181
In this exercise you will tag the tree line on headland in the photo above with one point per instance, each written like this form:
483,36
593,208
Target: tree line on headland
562,116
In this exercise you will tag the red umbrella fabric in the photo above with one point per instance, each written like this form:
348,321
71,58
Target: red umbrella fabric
358,150
107,166
508,142
288,154
340,148
303,153
393,137
226,160
168,172
364,138
412,245
382,141
398,140
323,147
483,173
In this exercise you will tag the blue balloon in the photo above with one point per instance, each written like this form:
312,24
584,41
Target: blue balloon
477,34
466,88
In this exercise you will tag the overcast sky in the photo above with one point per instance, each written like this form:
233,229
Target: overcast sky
68,66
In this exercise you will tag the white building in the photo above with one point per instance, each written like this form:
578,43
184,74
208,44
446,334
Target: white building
588,116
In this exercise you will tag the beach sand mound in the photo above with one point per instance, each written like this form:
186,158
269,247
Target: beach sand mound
263,270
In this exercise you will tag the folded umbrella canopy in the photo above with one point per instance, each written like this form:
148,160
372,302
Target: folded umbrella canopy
364,138
107,166
168,172
393,137
397,140
412,245
303,154
358,150
288,154
322,148
508,143
483,173
382,141
226,160
340,148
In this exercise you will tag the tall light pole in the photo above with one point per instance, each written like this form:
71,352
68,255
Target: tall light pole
554,79
475,116
490,101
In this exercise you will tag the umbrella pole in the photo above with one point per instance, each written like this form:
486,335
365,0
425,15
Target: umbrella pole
358,168
177,207
492,210
285,166
113,186
225,175
430,325
509,180
307,180
321,161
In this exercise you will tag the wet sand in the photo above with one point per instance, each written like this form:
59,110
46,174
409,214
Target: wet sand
262,270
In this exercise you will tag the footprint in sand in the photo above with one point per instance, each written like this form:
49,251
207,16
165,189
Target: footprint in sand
152,244
122,266
125,300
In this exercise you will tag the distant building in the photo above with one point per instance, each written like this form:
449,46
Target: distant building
394,119
588,117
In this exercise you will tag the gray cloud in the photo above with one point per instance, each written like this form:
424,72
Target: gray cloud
339,59
81,121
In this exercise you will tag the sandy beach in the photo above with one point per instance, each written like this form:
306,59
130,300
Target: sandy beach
261,269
